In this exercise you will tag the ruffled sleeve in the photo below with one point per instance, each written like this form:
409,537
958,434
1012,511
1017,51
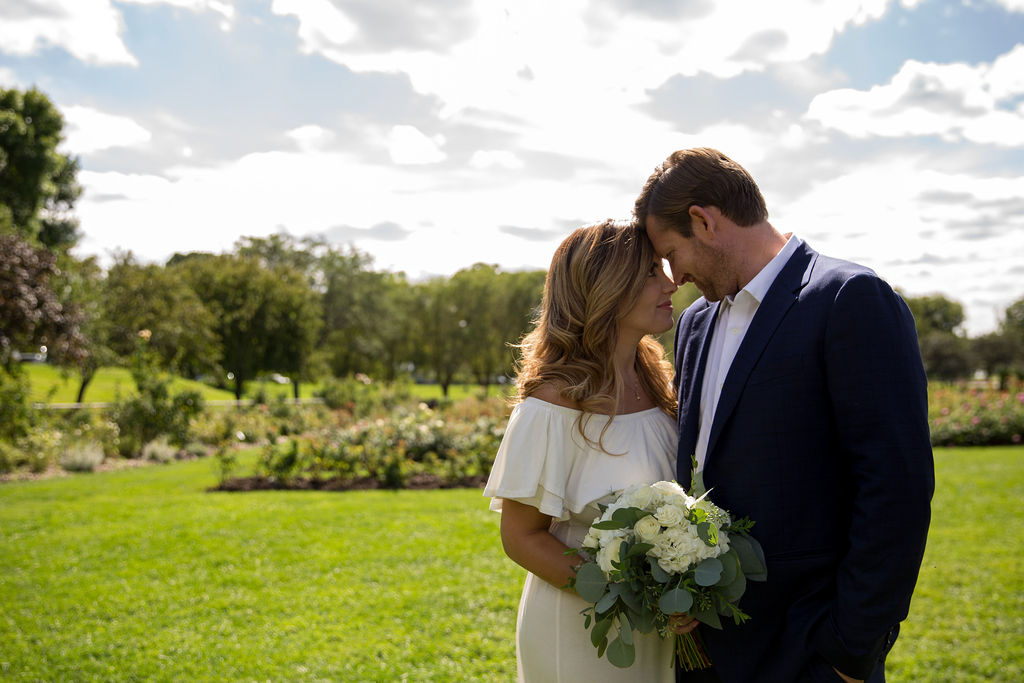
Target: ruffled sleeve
534,460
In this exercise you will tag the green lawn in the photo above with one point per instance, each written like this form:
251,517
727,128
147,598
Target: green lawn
49,384
142,575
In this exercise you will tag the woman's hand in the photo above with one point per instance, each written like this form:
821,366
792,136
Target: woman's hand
681,623
527,541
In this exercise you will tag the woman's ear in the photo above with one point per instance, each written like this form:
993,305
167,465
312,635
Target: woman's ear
703,223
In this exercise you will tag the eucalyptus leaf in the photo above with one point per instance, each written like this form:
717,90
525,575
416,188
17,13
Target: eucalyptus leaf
708,533
631,599
606,602
609,525
600,631
625,516
708,572
734,590
659,574
642,620
639,549
675,601
751,557
625,629
591,583
730,568
697,487
620,653
709,617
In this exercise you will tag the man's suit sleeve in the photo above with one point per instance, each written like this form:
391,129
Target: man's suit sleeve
878,389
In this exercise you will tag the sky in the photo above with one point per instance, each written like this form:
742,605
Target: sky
433,135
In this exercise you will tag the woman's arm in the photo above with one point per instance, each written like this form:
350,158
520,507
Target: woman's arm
528,543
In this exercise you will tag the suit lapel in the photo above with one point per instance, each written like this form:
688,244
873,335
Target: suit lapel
780,297
694,348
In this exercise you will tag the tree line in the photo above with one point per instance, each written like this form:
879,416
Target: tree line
303,308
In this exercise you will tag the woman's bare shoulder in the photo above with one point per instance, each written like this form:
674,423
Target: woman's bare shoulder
552,393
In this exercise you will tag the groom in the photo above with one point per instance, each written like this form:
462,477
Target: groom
803,397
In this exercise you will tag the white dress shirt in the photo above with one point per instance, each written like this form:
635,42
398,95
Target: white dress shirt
735,314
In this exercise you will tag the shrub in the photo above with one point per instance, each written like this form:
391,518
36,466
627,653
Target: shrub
82,456
394,452
16,415
159,450
360,396
154,412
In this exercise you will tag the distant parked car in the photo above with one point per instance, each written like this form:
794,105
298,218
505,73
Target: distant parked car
30,356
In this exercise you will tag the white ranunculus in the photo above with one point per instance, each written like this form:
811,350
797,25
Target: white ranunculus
669,487
670,515
608,553
646,528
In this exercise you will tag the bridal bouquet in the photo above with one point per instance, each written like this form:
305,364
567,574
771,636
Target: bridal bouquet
658,551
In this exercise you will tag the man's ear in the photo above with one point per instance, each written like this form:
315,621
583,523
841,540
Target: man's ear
703,223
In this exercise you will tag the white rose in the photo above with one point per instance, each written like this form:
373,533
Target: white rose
646,528
608,553
669,487
591,539
638,496
670,515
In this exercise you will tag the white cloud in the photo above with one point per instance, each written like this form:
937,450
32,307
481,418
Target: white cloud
88,29
1012,5
90,130
225,9
408,145
889,215
9,79
955,101
311,138
321,24
495,158
568,76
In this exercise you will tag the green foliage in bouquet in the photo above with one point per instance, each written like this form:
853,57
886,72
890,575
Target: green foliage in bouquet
634,592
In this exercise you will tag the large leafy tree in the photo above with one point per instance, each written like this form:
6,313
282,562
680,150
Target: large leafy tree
264,319
440,328
945,351
31,312
495,310
37,183
138,297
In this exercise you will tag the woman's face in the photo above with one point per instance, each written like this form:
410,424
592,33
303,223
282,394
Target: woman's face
652,313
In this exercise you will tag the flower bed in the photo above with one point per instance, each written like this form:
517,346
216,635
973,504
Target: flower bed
976,417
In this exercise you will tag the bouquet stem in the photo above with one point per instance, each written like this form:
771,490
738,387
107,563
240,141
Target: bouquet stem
690,652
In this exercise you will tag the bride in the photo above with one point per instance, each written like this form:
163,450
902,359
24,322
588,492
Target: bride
595,414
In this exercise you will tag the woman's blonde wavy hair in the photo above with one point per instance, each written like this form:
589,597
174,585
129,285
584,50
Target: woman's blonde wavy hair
596,277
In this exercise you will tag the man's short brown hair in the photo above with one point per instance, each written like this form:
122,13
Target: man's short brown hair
699,177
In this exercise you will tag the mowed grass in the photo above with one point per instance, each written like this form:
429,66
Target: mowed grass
967,617
50,384
142,575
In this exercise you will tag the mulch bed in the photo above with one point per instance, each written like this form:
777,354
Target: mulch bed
415,482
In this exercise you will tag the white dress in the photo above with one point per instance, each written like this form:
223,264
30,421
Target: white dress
543,461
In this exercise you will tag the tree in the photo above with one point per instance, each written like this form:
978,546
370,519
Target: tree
935,313
37,183
440,330
31,312
945,351
32,316
293,325
138,297
264,320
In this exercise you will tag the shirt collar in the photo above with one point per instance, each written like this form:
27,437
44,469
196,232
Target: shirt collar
757,288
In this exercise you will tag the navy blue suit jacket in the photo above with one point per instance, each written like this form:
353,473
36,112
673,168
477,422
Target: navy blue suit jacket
821,437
